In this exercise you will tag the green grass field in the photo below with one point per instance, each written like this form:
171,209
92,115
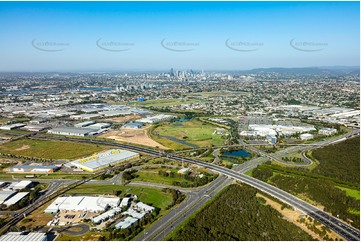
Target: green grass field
351,192
50,149
194,132
147,195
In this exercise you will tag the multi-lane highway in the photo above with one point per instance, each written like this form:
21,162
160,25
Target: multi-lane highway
333,223
195,200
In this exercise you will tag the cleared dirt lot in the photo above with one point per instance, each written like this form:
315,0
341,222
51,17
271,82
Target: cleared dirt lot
134,136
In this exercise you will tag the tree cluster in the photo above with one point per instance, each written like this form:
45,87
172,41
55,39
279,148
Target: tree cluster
333,199
237,215
340,160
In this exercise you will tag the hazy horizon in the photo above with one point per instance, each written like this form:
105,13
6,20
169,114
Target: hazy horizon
155,36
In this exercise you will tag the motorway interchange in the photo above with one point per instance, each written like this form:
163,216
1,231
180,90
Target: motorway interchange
199,197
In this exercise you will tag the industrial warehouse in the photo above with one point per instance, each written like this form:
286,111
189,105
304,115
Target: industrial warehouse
99,210
34,169
82,203
102,160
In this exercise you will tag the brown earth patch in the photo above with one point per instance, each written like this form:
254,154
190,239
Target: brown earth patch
134,136
293,217
24,147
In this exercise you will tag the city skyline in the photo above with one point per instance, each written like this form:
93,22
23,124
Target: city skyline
153,36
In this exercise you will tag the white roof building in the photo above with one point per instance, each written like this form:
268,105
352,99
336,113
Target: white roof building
327,131
306,136
184,170
156,119
125,202
71,131
84,124
16,198
23,236
108,214
103,159
5,195
134,213
12,126
82,203
126,223
144,207
21,185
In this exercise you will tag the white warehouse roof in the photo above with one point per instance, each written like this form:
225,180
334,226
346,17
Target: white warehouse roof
4,195
22,236
103,159
16,198
82,203
106,215
126,223
134,213
144,207
22,185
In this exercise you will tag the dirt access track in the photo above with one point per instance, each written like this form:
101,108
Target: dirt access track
134,136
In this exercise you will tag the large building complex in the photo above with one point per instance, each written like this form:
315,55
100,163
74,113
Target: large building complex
71,131
102,160
156,119
82,203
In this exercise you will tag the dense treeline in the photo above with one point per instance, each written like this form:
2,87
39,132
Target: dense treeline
341,160
262,174
237,214
335,200
300,171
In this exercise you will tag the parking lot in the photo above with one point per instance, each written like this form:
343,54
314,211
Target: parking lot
70,217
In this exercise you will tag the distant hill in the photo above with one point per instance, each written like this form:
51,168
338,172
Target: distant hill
322,71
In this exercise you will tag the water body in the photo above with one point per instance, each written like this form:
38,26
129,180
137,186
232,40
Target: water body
237,153
182,120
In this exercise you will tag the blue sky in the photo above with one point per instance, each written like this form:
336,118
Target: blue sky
120,36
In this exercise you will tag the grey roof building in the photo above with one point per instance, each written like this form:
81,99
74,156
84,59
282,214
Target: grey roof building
71,131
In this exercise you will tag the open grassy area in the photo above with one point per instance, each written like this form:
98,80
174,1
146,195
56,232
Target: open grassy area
194,132
147,195
351,192
50,149
89,236
14,132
